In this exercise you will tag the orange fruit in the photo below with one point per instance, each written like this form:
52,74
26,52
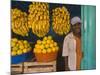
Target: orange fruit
45,38
38,41
41,46
37,46
24,50
48,41
44,42
44,51
51,45
34,50
49,50
47,46
57,48
38,51
52,41
13,53
50,37
53,49
19,52
55,44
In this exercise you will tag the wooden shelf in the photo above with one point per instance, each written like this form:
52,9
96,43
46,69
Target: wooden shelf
34,67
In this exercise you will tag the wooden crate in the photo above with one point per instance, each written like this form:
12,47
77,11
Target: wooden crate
16,68
37,67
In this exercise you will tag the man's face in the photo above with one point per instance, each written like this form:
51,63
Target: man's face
77,29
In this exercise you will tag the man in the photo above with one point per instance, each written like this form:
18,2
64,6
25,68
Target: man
72,46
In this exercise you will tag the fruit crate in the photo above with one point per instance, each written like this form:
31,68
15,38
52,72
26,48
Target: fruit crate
21,58
38,67
17,68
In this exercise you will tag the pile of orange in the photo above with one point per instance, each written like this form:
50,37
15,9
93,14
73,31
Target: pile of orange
19,47
46,50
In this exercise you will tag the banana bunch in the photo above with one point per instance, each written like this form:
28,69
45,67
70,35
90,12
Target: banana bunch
61,20
19,22
38,18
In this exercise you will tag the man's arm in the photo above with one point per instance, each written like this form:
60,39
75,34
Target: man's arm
66,63
65,53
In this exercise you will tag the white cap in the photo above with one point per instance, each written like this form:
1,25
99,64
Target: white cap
75,20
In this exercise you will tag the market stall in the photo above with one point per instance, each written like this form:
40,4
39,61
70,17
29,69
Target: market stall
28,34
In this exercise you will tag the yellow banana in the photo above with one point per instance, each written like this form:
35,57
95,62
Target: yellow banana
19,22
38,16
61,20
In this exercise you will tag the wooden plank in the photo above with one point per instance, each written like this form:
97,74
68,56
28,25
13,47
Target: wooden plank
17,68
38,70
39,63
37,67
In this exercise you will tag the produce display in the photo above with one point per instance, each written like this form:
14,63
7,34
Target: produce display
19,47
19,22
47,45
46,50
61,20
38,18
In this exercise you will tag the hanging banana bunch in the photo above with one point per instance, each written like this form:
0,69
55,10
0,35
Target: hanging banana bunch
38,18
61,20
19,22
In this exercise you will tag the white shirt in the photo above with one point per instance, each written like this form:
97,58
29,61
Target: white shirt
69,49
